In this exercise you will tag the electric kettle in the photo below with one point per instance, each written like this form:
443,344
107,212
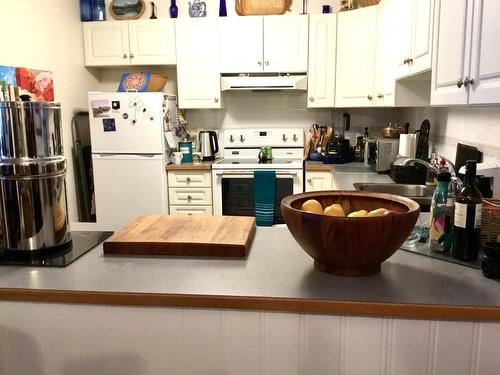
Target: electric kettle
208,144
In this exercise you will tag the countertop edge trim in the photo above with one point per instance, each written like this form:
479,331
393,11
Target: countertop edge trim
295,305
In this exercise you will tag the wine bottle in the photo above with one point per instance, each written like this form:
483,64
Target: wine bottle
467,223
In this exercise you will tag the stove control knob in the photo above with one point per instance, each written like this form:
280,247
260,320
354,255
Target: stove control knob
284,139
242,139
231,139
295,138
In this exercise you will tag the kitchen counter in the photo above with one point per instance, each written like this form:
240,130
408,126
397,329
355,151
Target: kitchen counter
346,175
277,275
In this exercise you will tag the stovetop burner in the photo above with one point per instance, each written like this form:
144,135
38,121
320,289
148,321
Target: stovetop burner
59,256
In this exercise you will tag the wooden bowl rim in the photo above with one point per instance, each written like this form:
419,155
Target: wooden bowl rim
410,203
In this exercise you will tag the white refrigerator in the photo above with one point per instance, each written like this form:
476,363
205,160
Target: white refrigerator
126,133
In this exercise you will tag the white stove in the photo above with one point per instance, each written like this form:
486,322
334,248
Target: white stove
233,176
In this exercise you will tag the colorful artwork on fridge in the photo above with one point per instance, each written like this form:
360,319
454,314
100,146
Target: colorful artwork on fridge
38,84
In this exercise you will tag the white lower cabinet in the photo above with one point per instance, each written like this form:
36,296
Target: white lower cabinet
190,192
318,180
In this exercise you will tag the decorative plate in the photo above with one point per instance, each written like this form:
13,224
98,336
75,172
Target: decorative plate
127,9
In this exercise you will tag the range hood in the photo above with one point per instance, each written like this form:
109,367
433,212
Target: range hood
264,81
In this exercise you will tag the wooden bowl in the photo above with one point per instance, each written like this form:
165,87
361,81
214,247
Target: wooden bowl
350,246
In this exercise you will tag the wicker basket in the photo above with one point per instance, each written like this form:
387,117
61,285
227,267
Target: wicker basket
262,7
490,220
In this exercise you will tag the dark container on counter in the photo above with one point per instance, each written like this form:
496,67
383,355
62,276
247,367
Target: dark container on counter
491,260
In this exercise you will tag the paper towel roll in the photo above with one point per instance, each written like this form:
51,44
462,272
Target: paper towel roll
407,145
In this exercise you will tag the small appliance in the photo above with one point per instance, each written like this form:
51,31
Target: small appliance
209,145
387,152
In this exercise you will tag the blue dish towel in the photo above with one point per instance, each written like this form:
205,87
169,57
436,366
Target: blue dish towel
264,190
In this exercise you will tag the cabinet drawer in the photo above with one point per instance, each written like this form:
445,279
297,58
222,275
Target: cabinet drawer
317,181
196,196
189,179
190,210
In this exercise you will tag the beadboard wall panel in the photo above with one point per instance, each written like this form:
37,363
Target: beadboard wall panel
61,339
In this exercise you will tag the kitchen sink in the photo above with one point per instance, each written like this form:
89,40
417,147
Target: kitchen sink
419,193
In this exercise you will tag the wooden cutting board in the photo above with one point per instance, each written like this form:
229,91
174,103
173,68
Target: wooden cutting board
198,235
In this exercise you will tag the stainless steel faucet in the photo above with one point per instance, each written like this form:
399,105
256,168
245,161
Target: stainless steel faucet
402,161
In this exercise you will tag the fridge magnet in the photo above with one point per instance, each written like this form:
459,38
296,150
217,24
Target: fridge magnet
38,84
100,108
115,104
109,124
127,9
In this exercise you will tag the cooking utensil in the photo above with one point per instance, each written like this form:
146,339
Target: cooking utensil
198,235
422,150
391,131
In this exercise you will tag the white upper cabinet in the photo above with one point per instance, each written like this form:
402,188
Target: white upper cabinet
485,55
152,42
241,41
356,38
285,43
451,51
413,38
321,73
198,76
386,56
263,44
466,63
106,43
115,43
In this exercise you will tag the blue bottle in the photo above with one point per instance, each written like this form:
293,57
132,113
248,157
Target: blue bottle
222,8
173,9
441,229
86,10
99,13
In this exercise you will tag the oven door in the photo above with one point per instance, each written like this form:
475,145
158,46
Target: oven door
233,191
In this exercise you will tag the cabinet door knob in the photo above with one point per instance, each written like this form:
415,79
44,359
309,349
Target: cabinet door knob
189,197
410,61
259,63
188,179
311,99
266,62
369,97
131,55
295,138
231,139
380,96
460,82
406,61
284,138
309,180
125,56
468,81
242,139
216,100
